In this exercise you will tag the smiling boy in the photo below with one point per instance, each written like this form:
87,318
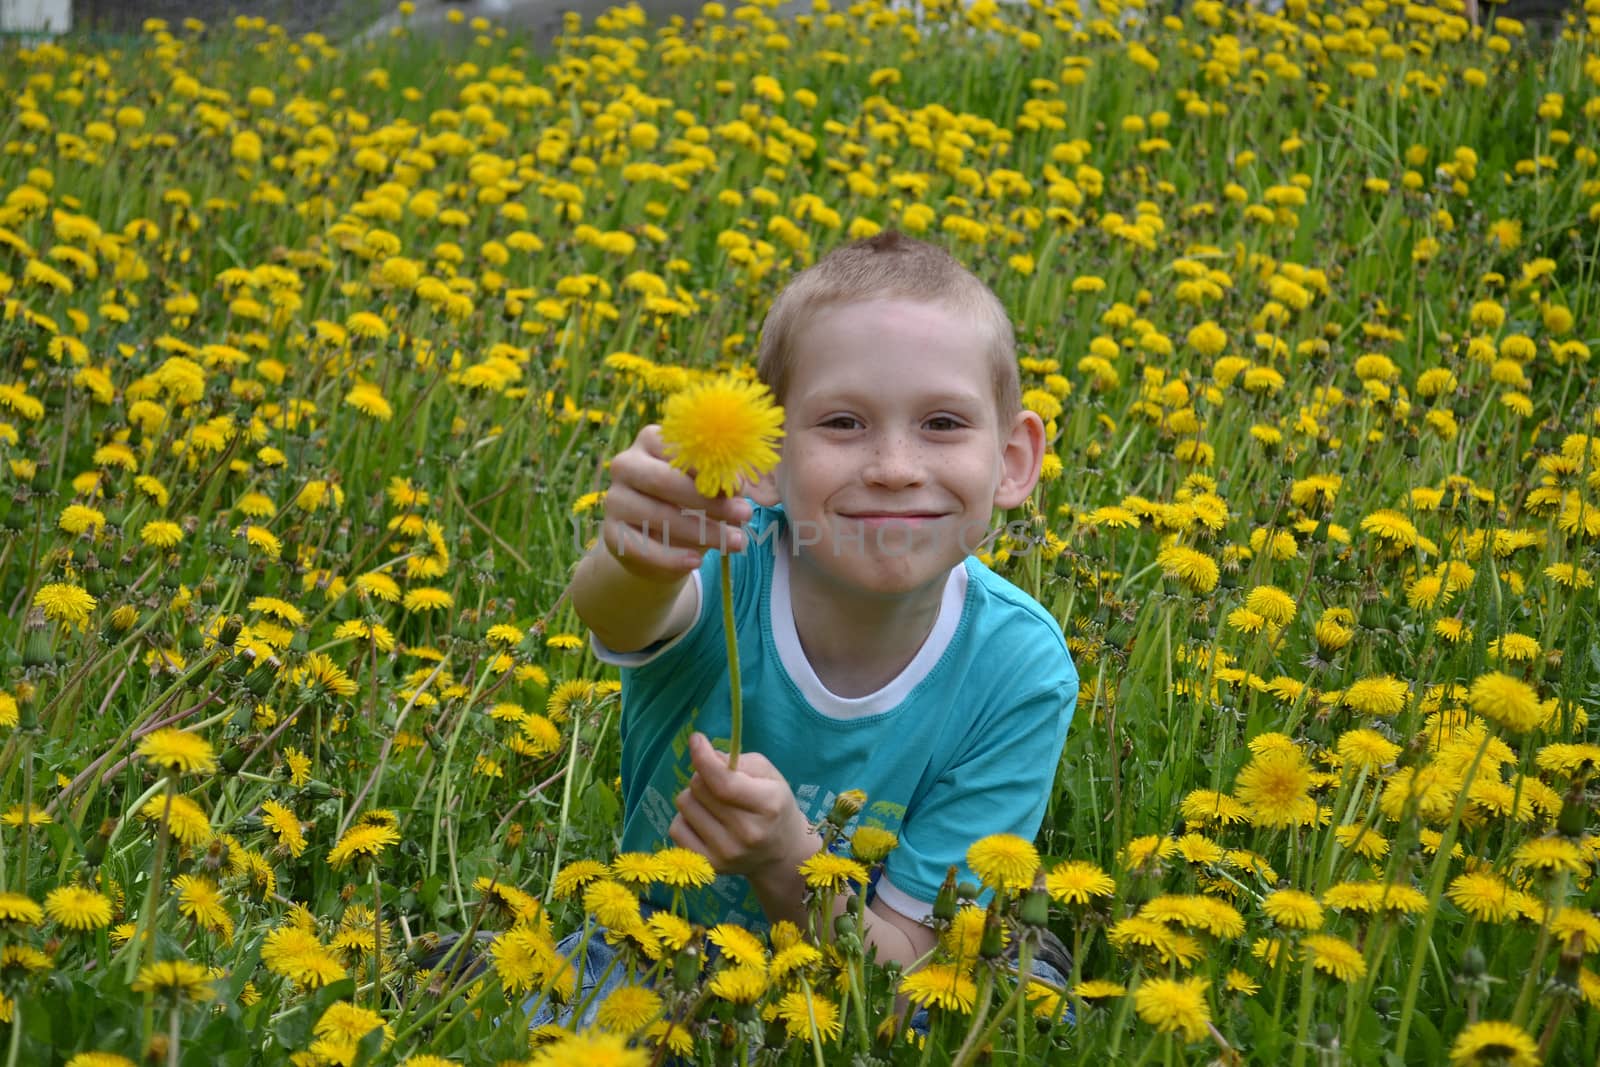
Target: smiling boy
877,652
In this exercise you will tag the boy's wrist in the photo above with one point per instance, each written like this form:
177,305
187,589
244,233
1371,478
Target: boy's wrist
779,883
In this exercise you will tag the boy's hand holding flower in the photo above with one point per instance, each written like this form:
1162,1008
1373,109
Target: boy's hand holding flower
744,821
657,524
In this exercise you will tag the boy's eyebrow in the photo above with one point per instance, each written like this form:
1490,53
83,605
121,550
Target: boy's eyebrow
852,395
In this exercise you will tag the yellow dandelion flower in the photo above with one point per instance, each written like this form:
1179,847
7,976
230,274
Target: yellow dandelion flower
16,909
1509,701
724,431
1076,881
575,877
1334,956
1174,1005
178,979
186,821
809,1016
362,842
941,986
1484,896
78,908
1004,861
738,944
1275,785
628,1009
1383,695
739,985
825,870
682,867
871,844
65,603
1502,1044
1099,989
175,751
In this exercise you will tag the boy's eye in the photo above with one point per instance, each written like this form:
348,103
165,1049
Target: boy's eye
840,422
944,422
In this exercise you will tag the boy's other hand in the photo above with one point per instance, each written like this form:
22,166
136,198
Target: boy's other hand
744,821
657,525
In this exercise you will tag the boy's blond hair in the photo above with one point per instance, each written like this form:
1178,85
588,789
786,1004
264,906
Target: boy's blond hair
890,266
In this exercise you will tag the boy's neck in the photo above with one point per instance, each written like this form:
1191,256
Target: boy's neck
857,645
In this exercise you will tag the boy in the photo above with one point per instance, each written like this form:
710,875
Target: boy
877,653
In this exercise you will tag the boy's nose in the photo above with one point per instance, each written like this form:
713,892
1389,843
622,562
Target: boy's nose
893,462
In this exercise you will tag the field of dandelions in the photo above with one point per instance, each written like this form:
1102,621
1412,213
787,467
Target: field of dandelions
313,355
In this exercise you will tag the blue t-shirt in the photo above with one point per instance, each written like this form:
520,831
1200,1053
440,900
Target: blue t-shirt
962,744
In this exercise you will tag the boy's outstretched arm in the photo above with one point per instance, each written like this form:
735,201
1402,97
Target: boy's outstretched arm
632,589
746,822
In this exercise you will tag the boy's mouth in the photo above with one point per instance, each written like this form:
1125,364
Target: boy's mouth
874,517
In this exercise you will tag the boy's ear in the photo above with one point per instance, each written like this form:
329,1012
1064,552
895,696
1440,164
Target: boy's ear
763,491
1021,457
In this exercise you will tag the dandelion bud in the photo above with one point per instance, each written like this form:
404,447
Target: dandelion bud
993,943
1473,964
1035,910
968,891
423,947
36,650
94,850
229,633
233,758
846,805
944,904
237,667
686,968
262,679
1574,813
216,856
189,638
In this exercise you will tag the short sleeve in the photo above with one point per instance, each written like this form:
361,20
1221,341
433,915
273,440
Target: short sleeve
1000,784
702,642
651,653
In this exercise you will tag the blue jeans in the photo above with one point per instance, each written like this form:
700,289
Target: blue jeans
601,971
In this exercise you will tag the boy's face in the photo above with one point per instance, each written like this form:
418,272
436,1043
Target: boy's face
894,455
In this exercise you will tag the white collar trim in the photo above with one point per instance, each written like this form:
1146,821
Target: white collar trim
799,668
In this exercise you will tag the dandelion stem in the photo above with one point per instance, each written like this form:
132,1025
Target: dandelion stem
974,1039
174,1032
1536,962
377,940
1303,1021
137,943
1441,865
735,693
16,1032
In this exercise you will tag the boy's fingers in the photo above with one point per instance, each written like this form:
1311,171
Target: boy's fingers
667,500
708,831
683,834
683,529
715,784
649,440
642,554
